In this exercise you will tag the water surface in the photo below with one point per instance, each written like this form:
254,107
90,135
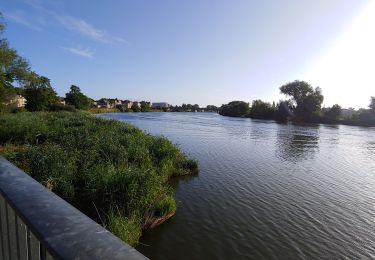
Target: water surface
266,190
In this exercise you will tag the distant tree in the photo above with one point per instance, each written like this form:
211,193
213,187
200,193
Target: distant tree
2,24
306,100
39,94
77,99
187,107
212,108
333,113
262,110
235,108
195,107
136,108
177,109
284,111
145,106
372,104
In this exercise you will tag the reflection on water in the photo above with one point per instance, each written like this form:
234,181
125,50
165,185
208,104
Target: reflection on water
297,143
266,190
371,147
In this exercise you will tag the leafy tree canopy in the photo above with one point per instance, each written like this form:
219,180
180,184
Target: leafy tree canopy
284,110
136,108
333,113
372,104
306,100
212,108
262,110
77,99
145,106
235,108
39,94
14,70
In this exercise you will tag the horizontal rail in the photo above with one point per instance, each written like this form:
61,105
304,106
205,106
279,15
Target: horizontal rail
37,224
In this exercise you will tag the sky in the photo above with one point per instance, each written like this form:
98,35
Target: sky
198,51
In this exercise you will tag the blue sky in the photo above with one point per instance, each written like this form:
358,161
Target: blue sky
196,51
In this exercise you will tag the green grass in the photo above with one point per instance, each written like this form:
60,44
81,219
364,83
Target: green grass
166,206
97,165
126,228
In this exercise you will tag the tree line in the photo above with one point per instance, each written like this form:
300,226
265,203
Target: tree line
194,108
304,104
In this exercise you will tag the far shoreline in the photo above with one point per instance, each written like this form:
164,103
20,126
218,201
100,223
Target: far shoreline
336,123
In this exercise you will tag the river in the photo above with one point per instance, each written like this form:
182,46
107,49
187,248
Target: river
266,190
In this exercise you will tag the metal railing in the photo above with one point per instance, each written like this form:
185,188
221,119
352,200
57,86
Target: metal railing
37,224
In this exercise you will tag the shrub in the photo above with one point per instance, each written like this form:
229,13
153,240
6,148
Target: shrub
60,107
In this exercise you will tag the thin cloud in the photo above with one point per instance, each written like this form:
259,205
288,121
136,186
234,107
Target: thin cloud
88,30
120,40
87,53
38,4
70,23
20,18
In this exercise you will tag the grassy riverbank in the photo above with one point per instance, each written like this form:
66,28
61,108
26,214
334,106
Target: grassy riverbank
112,171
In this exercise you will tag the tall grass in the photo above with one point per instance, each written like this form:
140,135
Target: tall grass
112,171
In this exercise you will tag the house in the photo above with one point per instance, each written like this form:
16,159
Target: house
160,105
18,100
136,103
104,103
348,113
116,102
127,104
62,101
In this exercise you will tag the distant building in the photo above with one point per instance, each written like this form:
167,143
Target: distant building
104,103
347,113
160,105
62,101
116,102
136,103
18,100
127,104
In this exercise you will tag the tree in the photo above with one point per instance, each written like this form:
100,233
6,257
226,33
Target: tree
212,108
77,99
306,100
372,104
145,106
187,107
2,25
39,94
333,113
235,108
284,111
14,70
262,110
135,107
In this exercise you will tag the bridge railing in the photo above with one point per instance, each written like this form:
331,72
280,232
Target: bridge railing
37,224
